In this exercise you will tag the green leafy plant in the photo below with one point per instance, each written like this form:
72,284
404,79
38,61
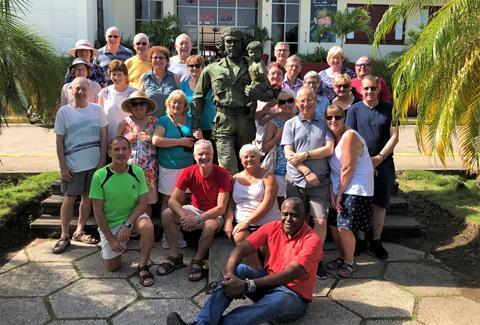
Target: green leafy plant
163,32
317,56
256,33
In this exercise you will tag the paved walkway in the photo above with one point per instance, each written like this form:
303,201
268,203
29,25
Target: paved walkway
38,287
27,148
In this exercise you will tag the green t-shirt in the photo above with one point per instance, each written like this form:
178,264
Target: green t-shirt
119,192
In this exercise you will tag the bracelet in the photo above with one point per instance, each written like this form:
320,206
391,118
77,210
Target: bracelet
309,172
308,155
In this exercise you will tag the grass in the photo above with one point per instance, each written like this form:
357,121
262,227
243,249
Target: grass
12,196
455,193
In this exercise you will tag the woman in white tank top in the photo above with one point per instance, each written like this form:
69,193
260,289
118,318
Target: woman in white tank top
253,201
351,173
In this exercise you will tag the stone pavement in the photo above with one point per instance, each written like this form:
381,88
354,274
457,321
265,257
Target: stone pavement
38,287
28,148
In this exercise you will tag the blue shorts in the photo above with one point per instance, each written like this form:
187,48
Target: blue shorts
384,184
356,213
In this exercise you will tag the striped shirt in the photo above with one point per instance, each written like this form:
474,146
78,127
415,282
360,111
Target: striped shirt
104,57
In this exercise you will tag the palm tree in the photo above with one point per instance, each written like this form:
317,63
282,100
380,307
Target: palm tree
345,22
163,32
31,72
440,75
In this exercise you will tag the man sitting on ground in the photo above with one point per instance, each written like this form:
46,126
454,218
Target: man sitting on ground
119,195
210,186
282,290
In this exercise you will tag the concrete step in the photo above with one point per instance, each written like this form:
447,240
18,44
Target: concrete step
53,203
56,190
400,226
47,224
398,205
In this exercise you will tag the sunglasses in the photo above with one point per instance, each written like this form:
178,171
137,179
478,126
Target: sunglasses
363,65
290,214
114,36
343,86
284,101
336,117
370,88
141,43
138,104
197,66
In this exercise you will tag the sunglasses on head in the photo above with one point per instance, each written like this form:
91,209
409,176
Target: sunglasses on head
289,214
141,43
370,88
362,65
284,101
336,117
138,103
198,65
114,36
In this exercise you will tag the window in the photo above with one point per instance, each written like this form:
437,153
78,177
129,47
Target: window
204,20
395,37
147,10
285,23
427,13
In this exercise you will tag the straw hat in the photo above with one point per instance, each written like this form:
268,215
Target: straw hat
83,44
152,106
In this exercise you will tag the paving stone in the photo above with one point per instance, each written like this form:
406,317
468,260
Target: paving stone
43,252
173,285
322,287
392,322
326,312
373,298
79,322
423,280
329,246
92,298
22,311
92,266
449,310
36,279
402,253
366,266
17,260
155,311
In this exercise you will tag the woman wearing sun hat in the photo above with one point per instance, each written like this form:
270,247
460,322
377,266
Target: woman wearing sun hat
138,128
84,50
80,68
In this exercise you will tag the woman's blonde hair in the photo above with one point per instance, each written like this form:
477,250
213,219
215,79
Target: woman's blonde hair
337,110
335,50
176,95
341,79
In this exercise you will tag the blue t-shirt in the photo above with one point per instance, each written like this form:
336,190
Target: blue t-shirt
158,90
373,124
209,109
174,157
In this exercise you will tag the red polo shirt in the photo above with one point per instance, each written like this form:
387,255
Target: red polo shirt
305,248
385,95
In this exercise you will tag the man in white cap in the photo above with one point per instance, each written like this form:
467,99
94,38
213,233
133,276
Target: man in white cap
84,50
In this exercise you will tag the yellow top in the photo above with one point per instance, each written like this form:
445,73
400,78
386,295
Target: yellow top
136,68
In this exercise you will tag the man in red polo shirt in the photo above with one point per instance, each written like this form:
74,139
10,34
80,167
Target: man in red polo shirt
210,186
282,290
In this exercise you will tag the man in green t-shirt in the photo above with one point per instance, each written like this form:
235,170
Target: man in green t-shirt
119,197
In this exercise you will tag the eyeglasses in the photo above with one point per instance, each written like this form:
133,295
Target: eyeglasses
141,43
336,117
114,36
370,88
345,86
197,66
284,101
363,65
289,214
138,103
159,57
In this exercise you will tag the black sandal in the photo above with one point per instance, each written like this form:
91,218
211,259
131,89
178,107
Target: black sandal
196,273
144,279
172,264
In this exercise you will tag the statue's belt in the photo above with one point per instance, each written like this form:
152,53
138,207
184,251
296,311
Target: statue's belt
232,110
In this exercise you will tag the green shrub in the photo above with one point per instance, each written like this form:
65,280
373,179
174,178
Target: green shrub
319,55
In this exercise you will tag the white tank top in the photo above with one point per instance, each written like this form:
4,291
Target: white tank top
248,198
362,180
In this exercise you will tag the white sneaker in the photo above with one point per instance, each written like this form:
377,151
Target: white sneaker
180,241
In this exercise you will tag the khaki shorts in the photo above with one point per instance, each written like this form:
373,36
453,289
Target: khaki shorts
199,226
107,252
79,185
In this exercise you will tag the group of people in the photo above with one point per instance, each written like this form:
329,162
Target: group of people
134,130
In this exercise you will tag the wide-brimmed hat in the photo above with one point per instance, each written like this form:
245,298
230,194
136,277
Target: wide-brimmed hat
152,106
83,44
78,61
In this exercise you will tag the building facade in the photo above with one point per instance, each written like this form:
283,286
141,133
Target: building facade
292,21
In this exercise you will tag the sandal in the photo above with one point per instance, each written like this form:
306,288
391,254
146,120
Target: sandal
146,279
335,264
346,271
60,246
83,237
196,273
172,264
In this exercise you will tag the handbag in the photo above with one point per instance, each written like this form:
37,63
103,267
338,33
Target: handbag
270,160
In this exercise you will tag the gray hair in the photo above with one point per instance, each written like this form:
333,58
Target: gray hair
140,35
249,148
282,43
202,142
179,37
311,74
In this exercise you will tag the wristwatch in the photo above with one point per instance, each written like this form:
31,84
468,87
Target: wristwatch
127,225
250,286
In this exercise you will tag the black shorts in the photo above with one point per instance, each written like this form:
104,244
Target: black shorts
384,184
356,213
